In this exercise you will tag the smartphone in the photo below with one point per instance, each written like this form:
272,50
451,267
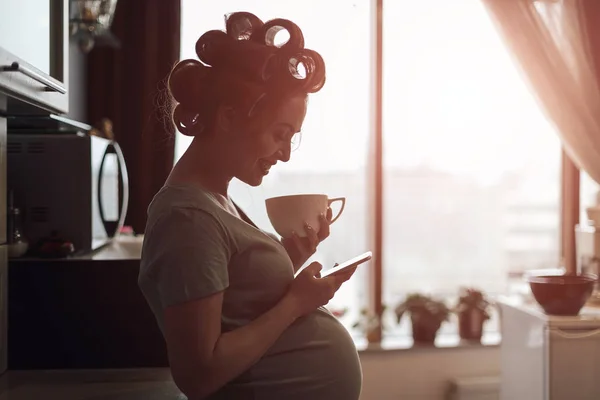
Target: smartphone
351,263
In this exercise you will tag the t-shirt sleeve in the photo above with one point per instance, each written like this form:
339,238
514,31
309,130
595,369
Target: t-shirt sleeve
188,252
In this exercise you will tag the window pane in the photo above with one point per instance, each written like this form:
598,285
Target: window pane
471,163
332,156
589,191
585,233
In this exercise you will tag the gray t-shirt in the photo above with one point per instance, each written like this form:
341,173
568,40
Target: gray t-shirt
194,246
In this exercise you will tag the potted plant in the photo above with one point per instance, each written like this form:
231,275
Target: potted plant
472,311
426,315
369,324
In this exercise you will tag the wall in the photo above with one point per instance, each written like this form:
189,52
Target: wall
77,84
423,374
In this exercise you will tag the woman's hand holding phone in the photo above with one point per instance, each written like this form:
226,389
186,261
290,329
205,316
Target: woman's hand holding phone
309,290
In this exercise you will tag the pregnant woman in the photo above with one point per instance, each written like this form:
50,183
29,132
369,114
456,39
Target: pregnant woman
239,323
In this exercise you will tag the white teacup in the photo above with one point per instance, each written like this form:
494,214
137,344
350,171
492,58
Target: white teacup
289,213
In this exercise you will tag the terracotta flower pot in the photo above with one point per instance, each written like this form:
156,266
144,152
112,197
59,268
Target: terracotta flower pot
373,336
425,330
470,324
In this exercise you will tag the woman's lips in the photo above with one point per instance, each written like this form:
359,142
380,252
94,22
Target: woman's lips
265,166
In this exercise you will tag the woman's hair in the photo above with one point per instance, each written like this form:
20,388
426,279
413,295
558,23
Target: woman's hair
243,68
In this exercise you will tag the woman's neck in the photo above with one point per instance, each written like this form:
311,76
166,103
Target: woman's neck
201,165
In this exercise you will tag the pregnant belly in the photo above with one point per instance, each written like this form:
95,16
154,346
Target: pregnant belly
314,359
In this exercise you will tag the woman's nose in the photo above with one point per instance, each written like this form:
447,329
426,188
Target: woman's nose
284,153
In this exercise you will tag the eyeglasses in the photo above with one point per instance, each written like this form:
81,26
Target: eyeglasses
295,141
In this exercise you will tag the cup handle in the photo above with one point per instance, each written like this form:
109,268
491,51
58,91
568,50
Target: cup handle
331,201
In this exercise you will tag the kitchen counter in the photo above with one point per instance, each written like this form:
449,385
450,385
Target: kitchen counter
121,248
107,384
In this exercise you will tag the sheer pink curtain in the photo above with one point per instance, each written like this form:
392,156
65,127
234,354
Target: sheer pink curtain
558,48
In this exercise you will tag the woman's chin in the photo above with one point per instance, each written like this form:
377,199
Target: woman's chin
252,179
256,182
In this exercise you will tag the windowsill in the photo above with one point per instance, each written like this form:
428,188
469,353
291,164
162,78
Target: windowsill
442,342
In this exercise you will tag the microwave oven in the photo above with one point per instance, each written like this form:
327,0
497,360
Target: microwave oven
34,47
69,182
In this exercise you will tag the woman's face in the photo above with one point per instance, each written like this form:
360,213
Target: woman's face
260,149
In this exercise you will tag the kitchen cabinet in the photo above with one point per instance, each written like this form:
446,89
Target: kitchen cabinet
34,49
82,312
547,357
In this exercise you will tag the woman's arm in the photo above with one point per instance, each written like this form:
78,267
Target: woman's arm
203,359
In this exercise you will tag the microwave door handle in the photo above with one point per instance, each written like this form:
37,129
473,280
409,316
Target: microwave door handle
123,184
99,189
50,86
109,226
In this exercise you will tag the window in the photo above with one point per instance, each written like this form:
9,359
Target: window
471,166
332,156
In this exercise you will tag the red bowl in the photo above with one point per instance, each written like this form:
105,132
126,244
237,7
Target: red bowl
562,294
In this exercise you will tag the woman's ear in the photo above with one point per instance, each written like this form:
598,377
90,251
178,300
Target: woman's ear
226,118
